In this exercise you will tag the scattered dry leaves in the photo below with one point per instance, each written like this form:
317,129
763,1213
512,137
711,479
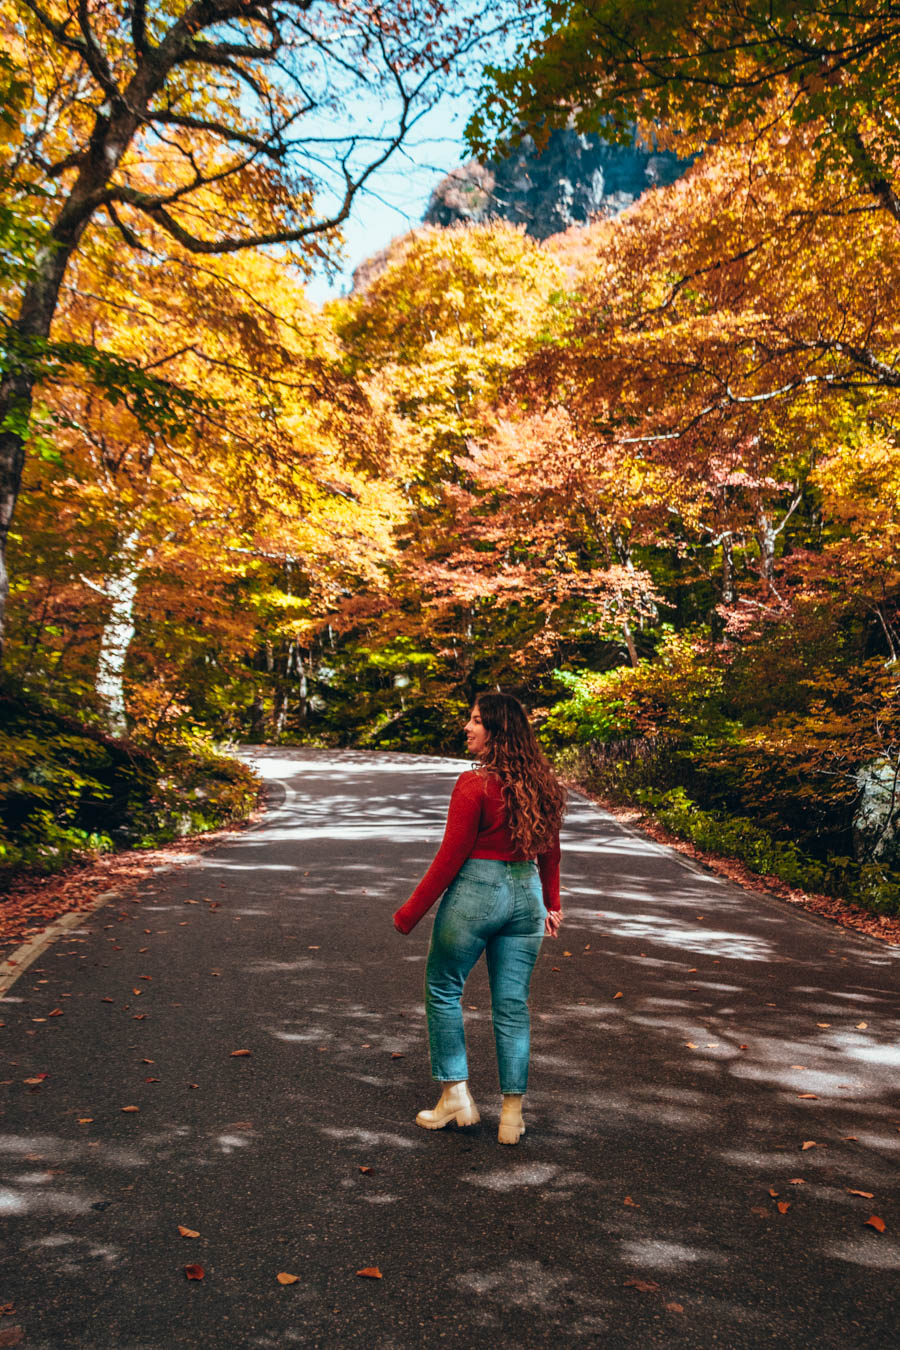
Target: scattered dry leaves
370,1273
284,1278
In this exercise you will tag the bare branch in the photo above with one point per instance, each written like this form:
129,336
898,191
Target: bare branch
94,57
139,26
264,146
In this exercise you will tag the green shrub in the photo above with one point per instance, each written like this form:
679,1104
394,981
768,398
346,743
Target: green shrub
68,790
866,884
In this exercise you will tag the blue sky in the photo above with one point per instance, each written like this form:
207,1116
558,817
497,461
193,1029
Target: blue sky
396,197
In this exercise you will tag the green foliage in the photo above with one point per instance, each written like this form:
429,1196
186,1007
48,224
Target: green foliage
156,404
589,713
67,790
737,837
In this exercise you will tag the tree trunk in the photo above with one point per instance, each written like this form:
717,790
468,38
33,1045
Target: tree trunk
118,631
629,642
766,536
728,591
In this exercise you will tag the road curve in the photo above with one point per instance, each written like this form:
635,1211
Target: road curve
689,1039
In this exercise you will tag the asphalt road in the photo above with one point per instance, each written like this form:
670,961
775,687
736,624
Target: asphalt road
689,1038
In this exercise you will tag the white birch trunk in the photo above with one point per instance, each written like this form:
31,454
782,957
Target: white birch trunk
118,630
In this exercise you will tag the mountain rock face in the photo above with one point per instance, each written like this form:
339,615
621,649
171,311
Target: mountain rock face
575,178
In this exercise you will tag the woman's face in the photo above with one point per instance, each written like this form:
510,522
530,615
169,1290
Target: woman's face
476,736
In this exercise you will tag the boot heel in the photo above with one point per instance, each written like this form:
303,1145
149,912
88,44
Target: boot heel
469,1115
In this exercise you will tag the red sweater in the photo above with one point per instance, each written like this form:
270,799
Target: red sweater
476,828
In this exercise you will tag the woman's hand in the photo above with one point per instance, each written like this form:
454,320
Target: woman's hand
552,922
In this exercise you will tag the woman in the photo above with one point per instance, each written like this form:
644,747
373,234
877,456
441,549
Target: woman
503,815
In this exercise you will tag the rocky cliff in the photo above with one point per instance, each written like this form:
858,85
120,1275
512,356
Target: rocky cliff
575,178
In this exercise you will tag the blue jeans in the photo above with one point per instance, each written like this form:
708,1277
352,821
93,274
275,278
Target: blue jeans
496,908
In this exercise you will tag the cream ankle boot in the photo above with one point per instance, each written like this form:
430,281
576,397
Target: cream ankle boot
512,1126
455,1104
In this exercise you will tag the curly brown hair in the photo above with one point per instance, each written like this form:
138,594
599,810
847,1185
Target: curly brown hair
535,799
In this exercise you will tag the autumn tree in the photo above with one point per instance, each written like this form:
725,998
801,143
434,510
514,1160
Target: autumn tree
141,554
701,69
217,125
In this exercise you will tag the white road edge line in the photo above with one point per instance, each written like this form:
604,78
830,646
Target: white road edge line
29,951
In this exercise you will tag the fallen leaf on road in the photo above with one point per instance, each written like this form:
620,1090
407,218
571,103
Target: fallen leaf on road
187,1232
57,1012
690,1045
632,1203
365,1169
370,1273
796,1181
850,1138
106,1000
861,1026
773,1193
398,1054
811,1096
644,1286
674,1307
284,1278
808,1143
148,1061
567,953
761,1211
823,1024
873,1221
742,1047
194,1272
38,1078
85,1120
138,1017
137,992
554,968
11,1336
312,949
783,1206
866,1195
619,995
131,1108
236,1053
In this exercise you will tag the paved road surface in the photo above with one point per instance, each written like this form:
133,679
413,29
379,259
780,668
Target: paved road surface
680,1026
